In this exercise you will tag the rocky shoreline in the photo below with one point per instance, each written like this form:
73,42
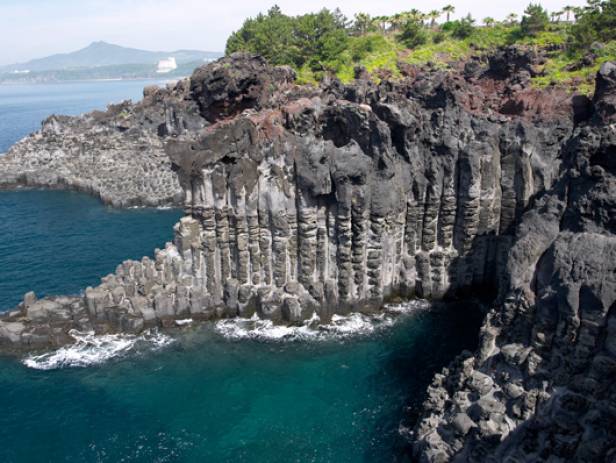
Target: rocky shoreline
114,155
303,200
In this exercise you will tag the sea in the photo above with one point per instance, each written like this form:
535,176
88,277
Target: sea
239,390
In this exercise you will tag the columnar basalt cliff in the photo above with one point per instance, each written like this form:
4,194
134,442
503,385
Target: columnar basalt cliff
303,200
541,387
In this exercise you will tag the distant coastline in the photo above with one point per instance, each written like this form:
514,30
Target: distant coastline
159,78
101,61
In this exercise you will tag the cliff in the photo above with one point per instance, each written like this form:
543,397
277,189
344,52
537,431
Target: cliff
116,155
334,199
541,385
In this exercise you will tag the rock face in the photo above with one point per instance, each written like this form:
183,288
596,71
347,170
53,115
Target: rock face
116,155
541,386
334,199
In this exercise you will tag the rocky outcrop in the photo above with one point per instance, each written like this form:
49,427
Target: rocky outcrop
303,200
115,155
326,200
118,155
541,385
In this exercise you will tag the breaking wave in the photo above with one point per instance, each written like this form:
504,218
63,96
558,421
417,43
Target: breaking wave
340,327
91,349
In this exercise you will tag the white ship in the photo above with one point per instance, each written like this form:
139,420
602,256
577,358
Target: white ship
166,65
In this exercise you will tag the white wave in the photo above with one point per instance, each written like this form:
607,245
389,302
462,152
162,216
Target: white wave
340,327
91,349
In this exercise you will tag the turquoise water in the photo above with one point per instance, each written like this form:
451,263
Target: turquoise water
23,107
57,242
206,396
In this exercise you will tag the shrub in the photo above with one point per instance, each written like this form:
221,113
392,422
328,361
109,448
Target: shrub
460,29
413,34
535,20
438,37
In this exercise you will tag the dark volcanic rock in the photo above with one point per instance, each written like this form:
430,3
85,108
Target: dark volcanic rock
334,199
547,348
232,85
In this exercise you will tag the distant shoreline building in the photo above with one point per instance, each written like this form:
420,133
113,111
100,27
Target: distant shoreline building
166,65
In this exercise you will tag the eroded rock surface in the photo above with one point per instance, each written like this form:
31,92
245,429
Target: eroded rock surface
116,155
334,199
541,387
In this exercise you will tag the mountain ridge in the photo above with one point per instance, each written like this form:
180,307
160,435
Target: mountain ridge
101,53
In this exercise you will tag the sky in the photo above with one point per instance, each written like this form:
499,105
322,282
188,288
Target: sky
38,28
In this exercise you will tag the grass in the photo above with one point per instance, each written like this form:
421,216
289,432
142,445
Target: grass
379,52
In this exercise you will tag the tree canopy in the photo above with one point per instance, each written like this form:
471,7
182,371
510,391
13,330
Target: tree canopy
535,19
595,23
326,42
310,39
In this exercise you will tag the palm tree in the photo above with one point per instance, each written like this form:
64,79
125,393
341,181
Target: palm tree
433,16
396,21
449,10
489,21
362,23
414,13
568,10
558,14
381,22
512,17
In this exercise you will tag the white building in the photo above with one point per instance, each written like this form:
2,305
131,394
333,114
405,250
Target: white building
166,65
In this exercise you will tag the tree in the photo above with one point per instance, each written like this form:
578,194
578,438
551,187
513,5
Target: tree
535,19
489,21
512,18
311,39
449,10
380,23
397,21
460,29
415,15
568,10
413,34
595,23
340,19
362,23
433,16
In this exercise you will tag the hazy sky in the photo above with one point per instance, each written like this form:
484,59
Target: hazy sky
37,28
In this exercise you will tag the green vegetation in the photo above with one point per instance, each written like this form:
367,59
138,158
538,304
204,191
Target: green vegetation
535,20
575,40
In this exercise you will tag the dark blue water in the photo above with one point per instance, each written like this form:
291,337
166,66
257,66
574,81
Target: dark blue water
24,107
205,397
60,242
56,242
209,399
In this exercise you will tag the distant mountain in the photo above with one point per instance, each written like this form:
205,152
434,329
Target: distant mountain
99,54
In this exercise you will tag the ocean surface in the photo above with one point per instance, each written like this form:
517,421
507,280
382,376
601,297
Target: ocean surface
216,395
231,391
58,242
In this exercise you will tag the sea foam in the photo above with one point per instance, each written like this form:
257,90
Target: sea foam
91,349
340,327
